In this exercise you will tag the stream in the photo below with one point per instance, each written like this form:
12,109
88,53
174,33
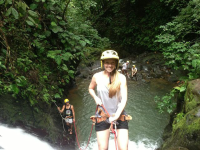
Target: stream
145,128
147,124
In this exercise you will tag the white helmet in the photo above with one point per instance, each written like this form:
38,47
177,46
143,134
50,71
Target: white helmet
109,54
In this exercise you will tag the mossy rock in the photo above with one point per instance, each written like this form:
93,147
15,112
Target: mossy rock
192,96
186,133
186,125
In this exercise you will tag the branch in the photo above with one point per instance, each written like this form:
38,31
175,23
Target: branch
7,46
65,10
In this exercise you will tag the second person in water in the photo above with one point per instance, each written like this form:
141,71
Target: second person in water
112,93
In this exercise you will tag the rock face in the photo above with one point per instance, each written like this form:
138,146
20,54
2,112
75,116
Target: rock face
185,131
149,65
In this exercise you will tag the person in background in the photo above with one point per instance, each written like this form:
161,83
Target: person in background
134,71
69,114
125,69
112,93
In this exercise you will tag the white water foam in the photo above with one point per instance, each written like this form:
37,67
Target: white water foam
143,144
18,139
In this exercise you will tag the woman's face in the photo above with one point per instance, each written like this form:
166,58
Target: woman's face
110,64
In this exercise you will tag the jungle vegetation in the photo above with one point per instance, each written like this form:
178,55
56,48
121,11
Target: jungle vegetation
43,41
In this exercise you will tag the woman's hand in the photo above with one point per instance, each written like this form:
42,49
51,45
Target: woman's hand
111,119
98,100
58,108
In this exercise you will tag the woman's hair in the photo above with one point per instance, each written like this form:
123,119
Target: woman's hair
115,85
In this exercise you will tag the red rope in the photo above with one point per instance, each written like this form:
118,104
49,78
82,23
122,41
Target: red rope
77,137
89,136
111,127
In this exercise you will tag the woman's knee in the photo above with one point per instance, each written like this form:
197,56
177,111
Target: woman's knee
103,147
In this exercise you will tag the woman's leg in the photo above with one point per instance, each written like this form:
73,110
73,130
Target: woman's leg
122,139
103,139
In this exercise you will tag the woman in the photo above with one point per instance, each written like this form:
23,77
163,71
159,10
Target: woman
69,114
112,93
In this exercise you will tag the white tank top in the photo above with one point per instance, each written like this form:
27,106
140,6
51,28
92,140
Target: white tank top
111,104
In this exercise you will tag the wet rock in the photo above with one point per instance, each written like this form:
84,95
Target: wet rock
139,76
145,75
157,70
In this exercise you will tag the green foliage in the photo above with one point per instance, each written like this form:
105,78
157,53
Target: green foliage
42,43
166,103
179,117
132,26
179,40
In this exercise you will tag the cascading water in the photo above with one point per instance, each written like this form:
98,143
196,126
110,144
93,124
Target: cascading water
18,139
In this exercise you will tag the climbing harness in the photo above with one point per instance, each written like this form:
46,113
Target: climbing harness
103,115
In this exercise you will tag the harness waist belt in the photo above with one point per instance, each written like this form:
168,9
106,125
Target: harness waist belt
100,119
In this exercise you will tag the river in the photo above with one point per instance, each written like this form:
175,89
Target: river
145,128
147,124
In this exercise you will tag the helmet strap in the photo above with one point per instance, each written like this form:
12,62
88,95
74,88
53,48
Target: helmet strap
110,78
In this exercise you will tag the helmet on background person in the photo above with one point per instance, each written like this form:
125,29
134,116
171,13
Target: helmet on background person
133,65
109,54
66,100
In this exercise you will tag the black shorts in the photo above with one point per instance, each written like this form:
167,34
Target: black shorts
104,125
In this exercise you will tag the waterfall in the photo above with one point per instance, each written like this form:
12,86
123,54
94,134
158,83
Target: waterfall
19,139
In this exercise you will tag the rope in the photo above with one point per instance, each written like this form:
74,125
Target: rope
112,127
61,117
89,136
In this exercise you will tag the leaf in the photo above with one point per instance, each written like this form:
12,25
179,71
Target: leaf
29,23
58,60
15,13
177,88
194,63
32,13
52,54
9,1
62,23
1,2
47,33
83,43
8,11
57,95
57,29
53,24
66,56
182,89
33,6
31,19
14,88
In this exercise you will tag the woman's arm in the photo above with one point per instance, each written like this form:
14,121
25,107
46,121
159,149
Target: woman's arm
92,86
61,111
122,105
